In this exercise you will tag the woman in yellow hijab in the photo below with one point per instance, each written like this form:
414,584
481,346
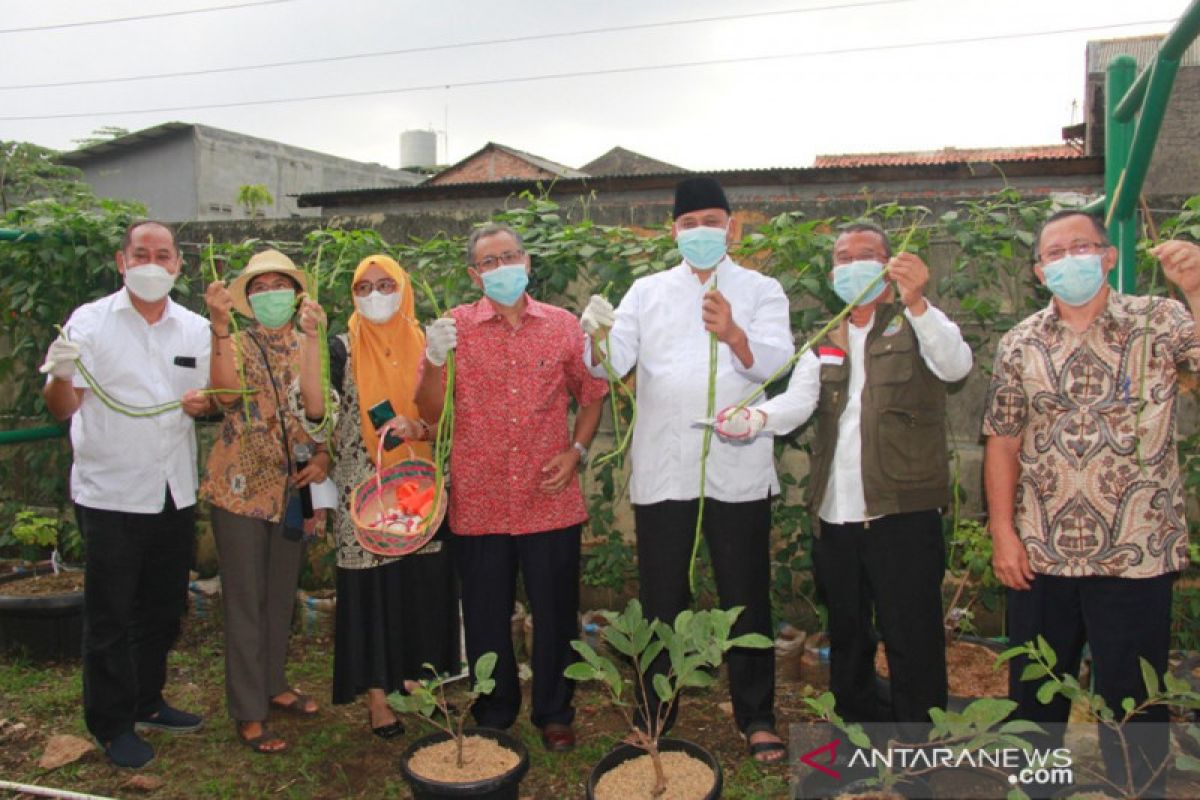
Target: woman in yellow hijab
393,614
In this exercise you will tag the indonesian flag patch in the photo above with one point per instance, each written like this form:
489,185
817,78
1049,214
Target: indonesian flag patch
828,354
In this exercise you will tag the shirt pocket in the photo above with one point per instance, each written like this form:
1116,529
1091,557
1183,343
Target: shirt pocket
547,377
835,381
911,447
891,360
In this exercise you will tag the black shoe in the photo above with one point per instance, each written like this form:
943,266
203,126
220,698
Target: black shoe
169,719
129,751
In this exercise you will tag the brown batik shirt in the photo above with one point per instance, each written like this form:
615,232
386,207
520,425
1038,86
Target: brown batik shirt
1099,491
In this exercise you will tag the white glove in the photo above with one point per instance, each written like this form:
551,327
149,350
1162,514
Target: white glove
740,425
440,338
60,359
597,316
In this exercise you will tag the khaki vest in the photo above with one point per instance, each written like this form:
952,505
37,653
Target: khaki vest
905,462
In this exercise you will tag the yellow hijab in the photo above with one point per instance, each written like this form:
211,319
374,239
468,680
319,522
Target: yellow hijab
386,358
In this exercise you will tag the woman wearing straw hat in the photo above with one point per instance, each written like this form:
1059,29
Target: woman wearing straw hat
251,475
393,614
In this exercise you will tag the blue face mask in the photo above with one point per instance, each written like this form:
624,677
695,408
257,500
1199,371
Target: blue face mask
1075,279
505,284
702,247
849,280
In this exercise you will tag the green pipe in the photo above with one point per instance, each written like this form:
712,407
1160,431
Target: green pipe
1118,138
31,434
1180,37
1149,123
14,235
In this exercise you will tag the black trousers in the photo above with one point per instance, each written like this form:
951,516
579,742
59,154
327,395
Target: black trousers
885,575
1122,620
738,537
134,595
549,565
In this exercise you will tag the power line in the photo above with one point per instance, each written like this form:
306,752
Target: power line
590,73
457,45
160,15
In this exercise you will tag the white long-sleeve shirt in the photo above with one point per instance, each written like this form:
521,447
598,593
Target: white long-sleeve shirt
943,351
658,327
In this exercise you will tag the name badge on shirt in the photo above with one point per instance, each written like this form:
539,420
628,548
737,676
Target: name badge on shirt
895,326
185,361
833,356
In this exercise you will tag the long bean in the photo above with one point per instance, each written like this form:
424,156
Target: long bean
239,361
445,427
815,339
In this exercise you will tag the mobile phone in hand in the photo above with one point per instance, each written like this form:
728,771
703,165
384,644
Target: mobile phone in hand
379,414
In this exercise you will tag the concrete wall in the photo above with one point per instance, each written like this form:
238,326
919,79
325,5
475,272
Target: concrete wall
161,173
1175,165
227,161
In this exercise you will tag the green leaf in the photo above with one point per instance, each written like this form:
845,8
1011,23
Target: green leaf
1185,762
1046,692
1128,705
1034,671
619,641
485,666
1047,652
662,688
1149,677
579,671
756,640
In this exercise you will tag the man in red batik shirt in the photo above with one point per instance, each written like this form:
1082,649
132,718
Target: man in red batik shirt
515,499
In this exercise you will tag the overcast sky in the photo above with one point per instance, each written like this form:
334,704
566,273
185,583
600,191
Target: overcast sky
797,78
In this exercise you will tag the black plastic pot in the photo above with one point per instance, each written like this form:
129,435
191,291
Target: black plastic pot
42,628
501,787
627,752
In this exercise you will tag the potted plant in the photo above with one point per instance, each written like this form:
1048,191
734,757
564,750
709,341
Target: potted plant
41,610
455,760
695,644
949,737
1170,690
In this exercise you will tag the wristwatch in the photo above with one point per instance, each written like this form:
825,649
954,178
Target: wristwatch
583,451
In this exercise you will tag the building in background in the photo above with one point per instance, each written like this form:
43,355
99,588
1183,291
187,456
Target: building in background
198,170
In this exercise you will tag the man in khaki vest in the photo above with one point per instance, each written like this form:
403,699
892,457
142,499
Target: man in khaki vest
879,474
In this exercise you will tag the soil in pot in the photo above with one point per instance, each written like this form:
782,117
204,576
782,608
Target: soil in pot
687,778
42,585
483,758
969,668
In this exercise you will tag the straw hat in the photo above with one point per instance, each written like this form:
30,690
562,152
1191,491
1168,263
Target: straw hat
260,263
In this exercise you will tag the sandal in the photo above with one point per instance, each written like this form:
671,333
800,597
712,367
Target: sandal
388,731
297,706
260,744
767,752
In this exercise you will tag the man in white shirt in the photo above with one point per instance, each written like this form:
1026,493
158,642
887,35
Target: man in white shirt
133,482
879,474
664,324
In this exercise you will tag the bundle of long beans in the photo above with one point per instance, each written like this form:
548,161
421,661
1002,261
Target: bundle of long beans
445,426
323,345
239,360
129,409
615,384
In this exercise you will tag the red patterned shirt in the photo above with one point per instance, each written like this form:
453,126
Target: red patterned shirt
511,397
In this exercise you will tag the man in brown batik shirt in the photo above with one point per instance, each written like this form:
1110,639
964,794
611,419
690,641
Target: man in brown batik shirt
1084,494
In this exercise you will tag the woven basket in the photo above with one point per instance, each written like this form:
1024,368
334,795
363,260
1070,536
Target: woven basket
365,507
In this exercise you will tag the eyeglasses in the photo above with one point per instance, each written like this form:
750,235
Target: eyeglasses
1078,248
504,259
383,286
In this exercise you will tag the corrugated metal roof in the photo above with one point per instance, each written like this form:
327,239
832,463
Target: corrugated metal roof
1142,48
948,155
780,176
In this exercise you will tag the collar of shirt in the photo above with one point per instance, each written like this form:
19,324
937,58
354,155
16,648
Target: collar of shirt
684,271
482,310
1117,312
122,302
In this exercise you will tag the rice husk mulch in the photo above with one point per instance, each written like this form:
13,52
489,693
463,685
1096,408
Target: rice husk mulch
482,758
687,779
44,584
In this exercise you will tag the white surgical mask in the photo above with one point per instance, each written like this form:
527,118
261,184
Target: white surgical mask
378,307
149,282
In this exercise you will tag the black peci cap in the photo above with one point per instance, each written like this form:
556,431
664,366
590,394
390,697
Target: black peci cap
694,194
